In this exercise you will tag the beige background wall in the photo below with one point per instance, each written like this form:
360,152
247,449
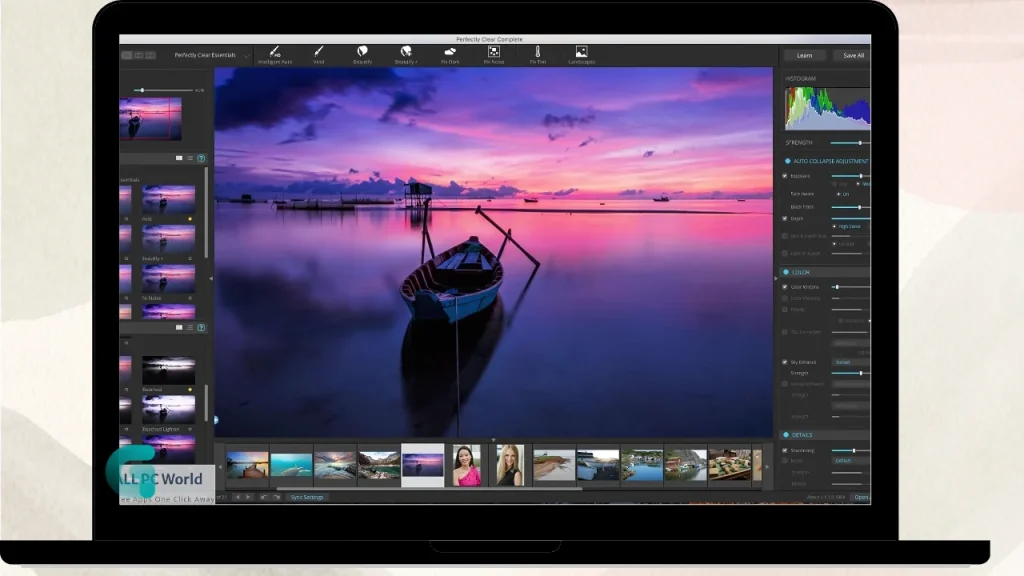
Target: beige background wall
961,286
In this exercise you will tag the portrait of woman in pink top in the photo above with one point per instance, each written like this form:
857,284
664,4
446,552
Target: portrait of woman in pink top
466,472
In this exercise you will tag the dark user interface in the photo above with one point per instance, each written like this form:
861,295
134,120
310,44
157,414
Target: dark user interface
499,273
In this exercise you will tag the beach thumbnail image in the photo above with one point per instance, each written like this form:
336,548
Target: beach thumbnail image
645,194
597,465
124,312
466,465
247,465
126,410
171,409
643,465
335,466
509,470
124,441
171,370
168,312
168,279
125,200
554,465
379,465
125,238
172,448
169,200
686,465
727,464
150,118
125,278
423,465
125,369
168,238
291,465
757,465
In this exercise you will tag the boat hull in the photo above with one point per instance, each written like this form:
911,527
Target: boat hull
428,306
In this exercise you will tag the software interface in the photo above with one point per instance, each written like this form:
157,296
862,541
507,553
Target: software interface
535,269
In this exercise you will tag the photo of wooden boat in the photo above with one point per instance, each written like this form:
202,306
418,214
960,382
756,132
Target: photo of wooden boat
662,198
455,284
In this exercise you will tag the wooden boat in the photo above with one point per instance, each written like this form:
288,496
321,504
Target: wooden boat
530,200
454,285
663,198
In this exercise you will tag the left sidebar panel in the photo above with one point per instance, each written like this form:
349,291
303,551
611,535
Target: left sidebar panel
166,288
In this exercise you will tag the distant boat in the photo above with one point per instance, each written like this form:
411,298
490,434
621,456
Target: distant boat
530,200
454,285
741,200
163,280
163,201
663,198
163,241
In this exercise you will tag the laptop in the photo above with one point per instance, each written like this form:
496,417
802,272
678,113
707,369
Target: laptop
520,290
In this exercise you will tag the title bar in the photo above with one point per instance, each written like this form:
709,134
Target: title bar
457,39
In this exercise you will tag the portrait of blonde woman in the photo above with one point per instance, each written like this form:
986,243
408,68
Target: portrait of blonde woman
465,471
509,462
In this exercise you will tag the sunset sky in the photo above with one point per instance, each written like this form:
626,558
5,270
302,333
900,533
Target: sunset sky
579,132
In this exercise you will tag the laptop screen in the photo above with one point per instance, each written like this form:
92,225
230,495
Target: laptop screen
536,269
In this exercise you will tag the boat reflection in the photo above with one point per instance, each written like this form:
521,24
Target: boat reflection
443,363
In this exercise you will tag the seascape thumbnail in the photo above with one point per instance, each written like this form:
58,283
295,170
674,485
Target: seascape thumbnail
291,465
169,409
169,199
158,370
168,312
172,449
247,465
335,466
379,465
150,118
168,238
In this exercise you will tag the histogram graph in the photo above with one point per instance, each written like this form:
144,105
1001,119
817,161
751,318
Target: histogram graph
823,109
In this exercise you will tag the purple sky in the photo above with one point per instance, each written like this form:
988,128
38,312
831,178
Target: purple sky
584,132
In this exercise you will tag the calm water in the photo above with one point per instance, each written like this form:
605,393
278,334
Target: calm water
635,325
646,473
166,126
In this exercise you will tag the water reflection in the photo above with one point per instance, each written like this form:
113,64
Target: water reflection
442,365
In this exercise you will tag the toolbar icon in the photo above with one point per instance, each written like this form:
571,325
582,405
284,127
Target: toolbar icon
582,51
126,55
406,51
494,51
274,53
449,52
361,51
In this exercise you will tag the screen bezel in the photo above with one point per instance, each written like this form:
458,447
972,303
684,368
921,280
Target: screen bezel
876,521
